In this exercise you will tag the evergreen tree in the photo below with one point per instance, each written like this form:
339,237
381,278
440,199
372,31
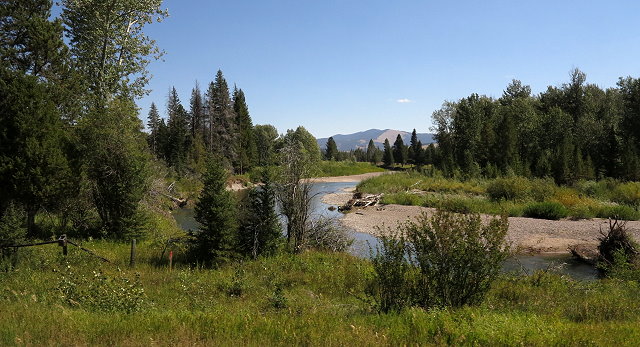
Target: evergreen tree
331,153
247,151
387,158
215,211
222,132
153,124
34,170
117,161
260,230
415,149
400,151
371,152
179,135
196,112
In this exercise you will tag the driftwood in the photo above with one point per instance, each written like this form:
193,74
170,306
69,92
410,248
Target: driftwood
179,201
360,200
585,252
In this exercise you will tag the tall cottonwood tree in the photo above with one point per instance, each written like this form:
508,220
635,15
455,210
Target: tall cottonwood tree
109,45
111,51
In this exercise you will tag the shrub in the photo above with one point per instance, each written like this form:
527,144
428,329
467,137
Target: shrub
546,210
615,240
327,234
447,260
509,188
628,194
618,212
392,286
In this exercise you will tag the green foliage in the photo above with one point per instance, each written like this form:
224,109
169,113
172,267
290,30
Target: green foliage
387,157
546,210
109,45
321,292
260,230
117,162
12,226
100,291
34,169
344,168
331,152
392,286
215,210
446,260
618,212
246,139
628,194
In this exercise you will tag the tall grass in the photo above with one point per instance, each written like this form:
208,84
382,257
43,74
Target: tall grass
311,299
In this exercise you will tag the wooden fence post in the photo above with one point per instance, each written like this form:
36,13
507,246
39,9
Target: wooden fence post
62,242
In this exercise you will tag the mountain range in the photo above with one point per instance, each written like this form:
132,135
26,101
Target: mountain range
361,139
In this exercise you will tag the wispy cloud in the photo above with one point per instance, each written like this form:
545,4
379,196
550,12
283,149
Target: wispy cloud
404,101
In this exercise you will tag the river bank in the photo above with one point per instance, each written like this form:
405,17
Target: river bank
526,235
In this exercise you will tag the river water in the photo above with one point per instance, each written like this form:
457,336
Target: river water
363,243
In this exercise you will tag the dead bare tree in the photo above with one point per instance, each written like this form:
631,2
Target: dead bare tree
294,192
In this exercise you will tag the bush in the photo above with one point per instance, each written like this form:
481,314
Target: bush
546,210
616,240
509,188
618,212
628,194
447,260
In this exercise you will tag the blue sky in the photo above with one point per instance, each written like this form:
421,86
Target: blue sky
341,66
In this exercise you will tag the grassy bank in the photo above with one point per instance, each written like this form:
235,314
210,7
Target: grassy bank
344,168
314,298
516,196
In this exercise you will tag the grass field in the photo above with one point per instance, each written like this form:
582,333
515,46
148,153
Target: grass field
311,299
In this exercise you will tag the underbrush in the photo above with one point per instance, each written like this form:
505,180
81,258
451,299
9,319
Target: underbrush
309,299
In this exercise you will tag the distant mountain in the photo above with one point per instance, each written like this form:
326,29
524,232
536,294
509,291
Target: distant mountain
361,139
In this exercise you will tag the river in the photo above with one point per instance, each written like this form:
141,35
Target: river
561,263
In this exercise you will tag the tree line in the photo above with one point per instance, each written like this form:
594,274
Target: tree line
415,153
571,132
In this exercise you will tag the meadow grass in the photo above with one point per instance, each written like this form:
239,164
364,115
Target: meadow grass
310,299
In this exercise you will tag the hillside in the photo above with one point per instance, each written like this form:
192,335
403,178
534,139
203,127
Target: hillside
361,139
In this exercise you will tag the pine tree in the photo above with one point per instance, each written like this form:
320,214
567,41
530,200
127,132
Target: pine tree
247,151
178,124
399,151
414,149
153,125
222,132
331,152
196,112
387,158
34,169
215,210
371,152
260,230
